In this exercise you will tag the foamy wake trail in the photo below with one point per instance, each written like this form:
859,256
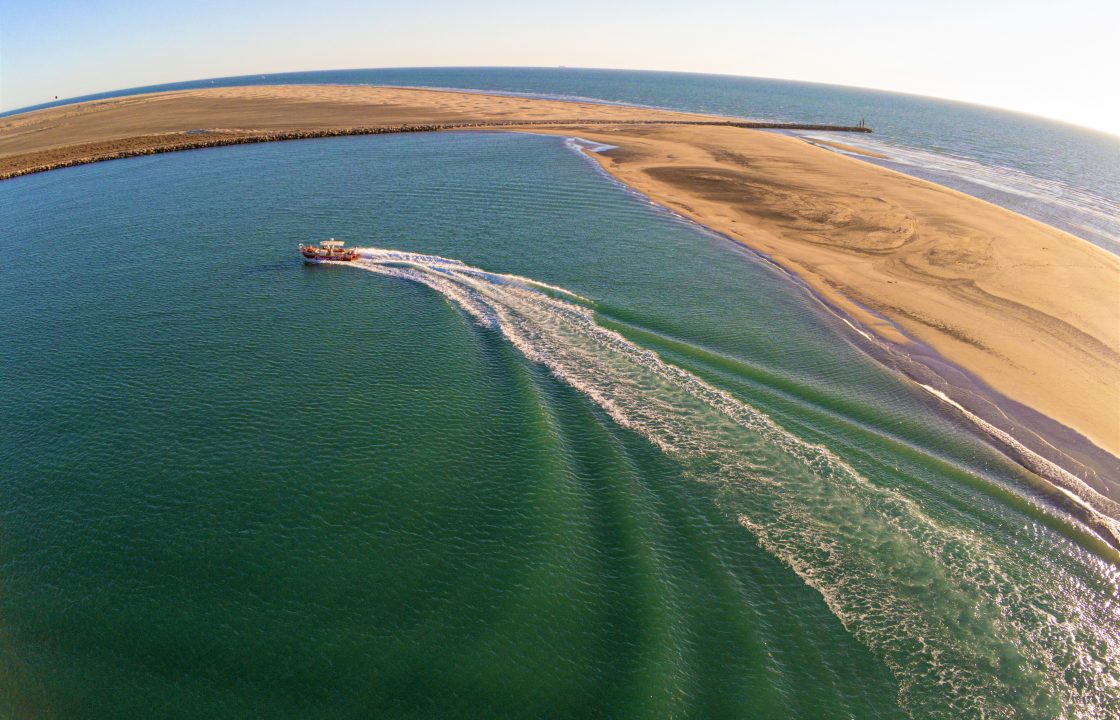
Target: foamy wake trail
968,627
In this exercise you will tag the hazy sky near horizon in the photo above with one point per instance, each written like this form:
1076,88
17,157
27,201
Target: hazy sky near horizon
1052,58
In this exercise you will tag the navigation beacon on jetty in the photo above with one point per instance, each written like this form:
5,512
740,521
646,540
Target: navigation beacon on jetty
328,250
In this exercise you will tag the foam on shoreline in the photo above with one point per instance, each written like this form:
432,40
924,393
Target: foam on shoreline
1087,215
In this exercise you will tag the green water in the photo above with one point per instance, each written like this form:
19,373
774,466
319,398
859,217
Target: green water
235,485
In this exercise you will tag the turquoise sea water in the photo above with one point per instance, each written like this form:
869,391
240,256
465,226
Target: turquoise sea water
568,456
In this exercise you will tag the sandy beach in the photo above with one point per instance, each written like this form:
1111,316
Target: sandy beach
1028,310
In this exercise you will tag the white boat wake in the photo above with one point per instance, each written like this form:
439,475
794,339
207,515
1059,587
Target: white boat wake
946,608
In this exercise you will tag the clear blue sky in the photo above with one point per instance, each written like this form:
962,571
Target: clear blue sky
1053,58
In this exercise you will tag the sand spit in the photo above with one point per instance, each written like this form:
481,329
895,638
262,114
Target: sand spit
1030,313
51,137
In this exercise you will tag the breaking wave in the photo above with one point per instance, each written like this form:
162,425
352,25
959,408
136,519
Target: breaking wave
1089,215
968,627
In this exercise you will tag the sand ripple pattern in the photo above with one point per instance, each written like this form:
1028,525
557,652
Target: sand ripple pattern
943,606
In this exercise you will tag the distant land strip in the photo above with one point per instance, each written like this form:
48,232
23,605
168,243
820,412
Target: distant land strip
86,153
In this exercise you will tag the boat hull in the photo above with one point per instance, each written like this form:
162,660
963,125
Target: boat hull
319,261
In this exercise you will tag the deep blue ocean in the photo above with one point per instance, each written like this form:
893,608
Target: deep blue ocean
1060,174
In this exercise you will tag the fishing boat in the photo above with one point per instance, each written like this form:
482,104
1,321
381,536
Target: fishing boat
328,250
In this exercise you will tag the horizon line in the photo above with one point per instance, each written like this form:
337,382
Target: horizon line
116,92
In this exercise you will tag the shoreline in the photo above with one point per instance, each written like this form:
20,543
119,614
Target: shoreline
849,149
884,325
965,397
790,206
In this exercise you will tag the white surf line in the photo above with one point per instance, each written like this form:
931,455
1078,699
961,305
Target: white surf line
1103,508
947,609
1078,211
